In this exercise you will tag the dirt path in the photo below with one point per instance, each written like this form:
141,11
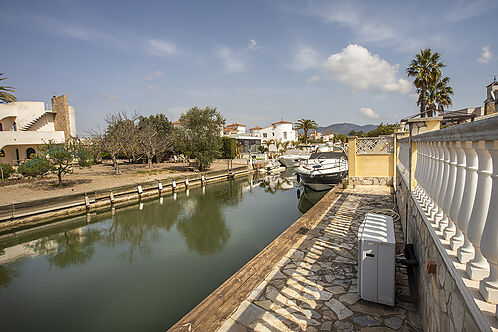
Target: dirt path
95,178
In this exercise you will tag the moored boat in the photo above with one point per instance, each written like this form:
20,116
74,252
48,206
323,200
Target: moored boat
324,170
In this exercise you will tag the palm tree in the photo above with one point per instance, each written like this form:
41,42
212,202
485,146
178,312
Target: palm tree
306,125
443,94
424,68
5,96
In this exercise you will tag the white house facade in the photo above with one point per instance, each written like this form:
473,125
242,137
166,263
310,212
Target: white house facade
25,125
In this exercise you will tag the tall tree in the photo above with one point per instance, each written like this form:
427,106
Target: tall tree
153,136
119,137
5,95
443,94
424,68
306,125
199,136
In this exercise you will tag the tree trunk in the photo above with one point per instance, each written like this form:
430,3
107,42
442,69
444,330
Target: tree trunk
115,163
149,160
59,176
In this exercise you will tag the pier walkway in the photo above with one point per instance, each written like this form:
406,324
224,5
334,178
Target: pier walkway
314,286
306,279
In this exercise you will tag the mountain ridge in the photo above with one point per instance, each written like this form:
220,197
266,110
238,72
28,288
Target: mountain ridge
346,127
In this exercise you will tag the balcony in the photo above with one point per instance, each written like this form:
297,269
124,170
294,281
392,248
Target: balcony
30,137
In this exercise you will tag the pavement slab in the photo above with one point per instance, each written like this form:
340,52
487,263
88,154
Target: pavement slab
315,288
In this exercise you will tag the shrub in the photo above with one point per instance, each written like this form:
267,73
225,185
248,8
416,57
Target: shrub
229,149
7,170
36,166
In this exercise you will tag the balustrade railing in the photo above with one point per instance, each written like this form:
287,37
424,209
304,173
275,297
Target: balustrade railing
456,172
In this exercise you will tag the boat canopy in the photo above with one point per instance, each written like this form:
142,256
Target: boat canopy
328,155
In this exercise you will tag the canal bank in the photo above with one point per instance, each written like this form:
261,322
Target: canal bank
143,266
18,217
306,278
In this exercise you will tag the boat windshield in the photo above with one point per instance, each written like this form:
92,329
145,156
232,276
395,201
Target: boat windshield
328,155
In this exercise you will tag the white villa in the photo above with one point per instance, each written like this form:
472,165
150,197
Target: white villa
24,125
279,131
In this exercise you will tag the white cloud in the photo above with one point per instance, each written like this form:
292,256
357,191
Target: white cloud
253,45
154,74
233,63
369,113
152,87
462,10
160,47
486,54
313,78
110,96
362,70
384,29
305,58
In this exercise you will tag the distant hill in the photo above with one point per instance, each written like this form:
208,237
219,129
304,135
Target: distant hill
345,128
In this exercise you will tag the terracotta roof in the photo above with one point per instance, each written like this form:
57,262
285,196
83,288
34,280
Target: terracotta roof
175,122
279,122
229,129
236,125
255,128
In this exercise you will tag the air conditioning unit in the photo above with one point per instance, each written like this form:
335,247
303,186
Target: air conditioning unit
376,257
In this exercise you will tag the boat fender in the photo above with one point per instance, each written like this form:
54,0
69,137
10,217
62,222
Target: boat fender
173,184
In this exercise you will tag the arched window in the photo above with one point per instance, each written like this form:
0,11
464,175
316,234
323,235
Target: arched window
1,128
29,152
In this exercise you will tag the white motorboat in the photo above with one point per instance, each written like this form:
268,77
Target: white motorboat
324,170
294,157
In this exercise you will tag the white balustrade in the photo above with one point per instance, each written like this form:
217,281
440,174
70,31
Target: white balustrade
478,267
466,251
431,204
426,173
457,187
449,230
441,214
457,240
489,242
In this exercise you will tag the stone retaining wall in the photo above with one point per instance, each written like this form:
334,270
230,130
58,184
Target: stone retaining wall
380,180
445,303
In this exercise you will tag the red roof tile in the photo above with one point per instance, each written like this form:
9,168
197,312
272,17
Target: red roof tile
279,122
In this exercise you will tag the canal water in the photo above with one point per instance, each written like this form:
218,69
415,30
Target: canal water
144,266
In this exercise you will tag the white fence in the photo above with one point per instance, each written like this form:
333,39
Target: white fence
457,186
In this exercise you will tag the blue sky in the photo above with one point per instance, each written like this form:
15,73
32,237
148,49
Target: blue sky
256,61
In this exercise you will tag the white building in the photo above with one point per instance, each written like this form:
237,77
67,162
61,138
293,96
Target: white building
25,125
278,131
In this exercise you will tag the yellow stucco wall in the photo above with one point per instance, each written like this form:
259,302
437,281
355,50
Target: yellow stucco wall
374,165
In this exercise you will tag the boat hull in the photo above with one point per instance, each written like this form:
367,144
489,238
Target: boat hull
321,182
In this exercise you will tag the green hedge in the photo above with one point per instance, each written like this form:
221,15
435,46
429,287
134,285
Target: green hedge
228,150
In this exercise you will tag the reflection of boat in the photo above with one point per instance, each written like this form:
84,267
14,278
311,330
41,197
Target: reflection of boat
323,170
308,198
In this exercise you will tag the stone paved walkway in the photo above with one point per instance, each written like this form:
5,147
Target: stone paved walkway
314,287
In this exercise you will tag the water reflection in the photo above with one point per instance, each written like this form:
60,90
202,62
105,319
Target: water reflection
73,247
164,255
307,198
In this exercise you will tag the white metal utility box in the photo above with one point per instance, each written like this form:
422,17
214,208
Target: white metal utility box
376,257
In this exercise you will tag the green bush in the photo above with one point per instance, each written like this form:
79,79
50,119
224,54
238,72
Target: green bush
229,148
36,166
7,171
